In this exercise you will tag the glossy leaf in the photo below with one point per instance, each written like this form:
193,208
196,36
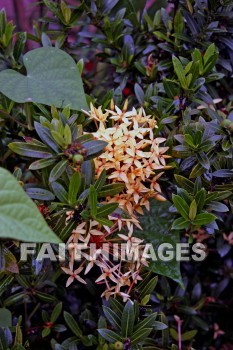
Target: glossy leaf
58,170
127,320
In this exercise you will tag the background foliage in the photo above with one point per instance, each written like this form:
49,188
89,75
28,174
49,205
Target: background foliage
175,59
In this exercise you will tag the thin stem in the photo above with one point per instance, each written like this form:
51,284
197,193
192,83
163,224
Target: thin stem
7,115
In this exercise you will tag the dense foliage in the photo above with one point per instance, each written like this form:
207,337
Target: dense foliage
119,127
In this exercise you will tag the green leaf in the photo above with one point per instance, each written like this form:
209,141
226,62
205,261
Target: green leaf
156,226
56,312
72,324
104,221
88,171
223,173
74,187
159,326
203,159
46,332
67,135
178,22
171,88
184,183
162,36
193,210
188,335
106,209
5,282
5,318
30,150
59,85
39,194
197,170
146,323
179,70
188,138
41,164
112,317
94,148
140,335
180,224
200,199
209,53
116,306
93,201
111,190
127,321
109,335
3,340
19,45
100,181
45,135
58,138
20,219
58,170
13,299
46,297
60,192
204,219
181,206
219,207
149,287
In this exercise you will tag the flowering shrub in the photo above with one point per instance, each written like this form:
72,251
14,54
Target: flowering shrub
116,133
132,155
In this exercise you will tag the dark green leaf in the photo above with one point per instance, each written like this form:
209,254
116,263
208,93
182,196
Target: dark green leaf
45,135
180,224
140,335
185,183
109,335
60,192
106,209
72,324
74,187
146,323
58,170
200,199
127,321
39,194
112,317
181,206
41,163
30,150
204,219
56,312
93,201
100,181
111,190
94,148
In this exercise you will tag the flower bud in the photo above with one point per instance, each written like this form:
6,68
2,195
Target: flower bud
77,159
119,345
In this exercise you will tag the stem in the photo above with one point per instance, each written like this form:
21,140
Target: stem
177,318
29,117
7,115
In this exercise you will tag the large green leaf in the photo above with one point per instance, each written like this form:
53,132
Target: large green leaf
19,217
52,79
156,226
5,318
